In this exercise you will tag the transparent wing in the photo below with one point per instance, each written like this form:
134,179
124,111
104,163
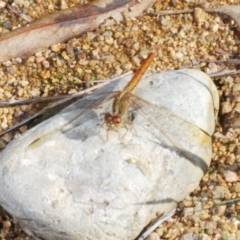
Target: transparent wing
64,99
175,132
74,115
85,104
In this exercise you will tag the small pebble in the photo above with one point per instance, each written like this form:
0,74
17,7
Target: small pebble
63,4
153,236
230,176
226,107
46,64
199,15
166,22
127,66
35,92
6,24
237,187
236,87
2,4
19,2
40,59
56,47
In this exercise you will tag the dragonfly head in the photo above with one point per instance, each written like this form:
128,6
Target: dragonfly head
113,121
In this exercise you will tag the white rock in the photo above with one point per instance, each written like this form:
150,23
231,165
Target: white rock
80,181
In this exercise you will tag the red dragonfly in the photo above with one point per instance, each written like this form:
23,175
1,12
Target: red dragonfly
121,101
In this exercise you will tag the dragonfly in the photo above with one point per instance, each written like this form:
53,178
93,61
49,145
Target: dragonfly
123,100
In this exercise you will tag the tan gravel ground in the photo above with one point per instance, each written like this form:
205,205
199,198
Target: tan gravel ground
111,50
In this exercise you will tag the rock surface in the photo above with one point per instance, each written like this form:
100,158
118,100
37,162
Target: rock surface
78,180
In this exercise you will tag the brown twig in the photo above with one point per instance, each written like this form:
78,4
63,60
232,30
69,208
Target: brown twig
224,73
171,12
229,61
17,11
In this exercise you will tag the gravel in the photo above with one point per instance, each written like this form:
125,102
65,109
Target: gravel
111,50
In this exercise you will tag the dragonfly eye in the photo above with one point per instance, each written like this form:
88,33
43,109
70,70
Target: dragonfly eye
116,120
108,117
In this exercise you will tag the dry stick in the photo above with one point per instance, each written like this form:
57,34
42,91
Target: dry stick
20,14
224,73
177,12
157,223
228,201
171,12
221,11
229,61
